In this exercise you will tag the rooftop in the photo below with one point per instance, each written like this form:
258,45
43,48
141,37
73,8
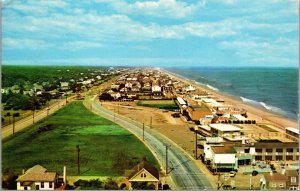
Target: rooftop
225,127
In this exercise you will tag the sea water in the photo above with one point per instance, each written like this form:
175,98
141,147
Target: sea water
275,89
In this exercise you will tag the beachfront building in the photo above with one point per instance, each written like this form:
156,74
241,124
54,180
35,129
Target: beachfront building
222,158
276,150
196,112
181,104
37,178
225,130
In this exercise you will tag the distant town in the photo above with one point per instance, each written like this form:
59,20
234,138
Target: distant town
194,137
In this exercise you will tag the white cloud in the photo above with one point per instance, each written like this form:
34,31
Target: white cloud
269,51
160,8
25,43
79,45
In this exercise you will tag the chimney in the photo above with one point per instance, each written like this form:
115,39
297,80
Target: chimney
65,175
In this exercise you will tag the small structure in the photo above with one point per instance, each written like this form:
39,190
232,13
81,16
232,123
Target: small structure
273,181
225,130
143,172
196,112
293,179
37,178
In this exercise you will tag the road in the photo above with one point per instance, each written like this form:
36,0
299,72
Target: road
182,168
27,121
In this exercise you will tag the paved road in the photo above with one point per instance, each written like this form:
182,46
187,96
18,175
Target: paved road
182,168
27,121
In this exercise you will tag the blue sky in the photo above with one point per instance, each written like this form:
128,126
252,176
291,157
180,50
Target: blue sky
151,32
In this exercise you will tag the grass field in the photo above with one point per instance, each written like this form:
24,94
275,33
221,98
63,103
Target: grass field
106,149
161,104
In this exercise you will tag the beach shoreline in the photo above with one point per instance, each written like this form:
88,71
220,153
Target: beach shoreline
261,115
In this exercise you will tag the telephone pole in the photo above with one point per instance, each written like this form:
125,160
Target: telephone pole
78,161
13,124
196,149
143,132
167,162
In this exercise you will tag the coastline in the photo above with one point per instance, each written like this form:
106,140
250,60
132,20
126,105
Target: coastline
259,114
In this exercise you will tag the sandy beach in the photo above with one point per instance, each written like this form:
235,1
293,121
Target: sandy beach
258,114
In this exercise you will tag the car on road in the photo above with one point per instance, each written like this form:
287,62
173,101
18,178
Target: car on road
232,173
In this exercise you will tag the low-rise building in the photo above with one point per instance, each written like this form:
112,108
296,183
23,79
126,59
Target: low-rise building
37,178
273,181
196,112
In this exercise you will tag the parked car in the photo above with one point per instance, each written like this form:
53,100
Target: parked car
232,173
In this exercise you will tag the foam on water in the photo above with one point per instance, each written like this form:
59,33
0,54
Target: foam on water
211,87
273,108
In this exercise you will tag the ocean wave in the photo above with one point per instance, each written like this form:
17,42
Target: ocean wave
211,87
246,100
273,108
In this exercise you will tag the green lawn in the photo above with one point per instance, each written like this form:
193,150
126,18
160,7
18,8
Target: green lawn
161,104
106,149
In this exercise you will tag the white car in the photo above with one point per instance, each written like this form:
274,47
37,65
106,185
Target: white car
232,173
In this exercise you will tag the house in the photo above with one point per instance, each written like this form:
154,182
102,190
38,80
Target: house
273,181
142,172
222,158
156,88
293,179
37,178
64,85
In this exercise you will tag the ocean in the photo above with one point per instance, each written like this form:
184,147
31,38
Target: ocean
274,89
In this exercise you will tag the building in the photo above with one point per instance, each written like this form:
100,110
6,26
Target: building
276,150
223,158
37,178
293,179
225,130
273,181
142,172
196,112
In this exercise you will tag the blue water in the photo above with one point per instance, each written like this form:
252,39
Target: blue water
275,89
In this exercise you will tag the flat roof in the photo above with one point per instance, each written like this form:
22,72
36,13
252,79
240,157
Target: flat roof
293,129
225,127
181,101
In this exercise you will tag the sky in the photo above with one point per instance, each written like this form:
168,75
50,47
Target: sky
237,33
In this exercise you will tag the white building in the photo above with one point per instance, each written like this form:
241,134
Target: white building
37,178
156,88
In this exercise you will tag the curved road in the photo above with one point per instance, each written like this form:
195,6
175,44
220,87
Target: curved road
183,170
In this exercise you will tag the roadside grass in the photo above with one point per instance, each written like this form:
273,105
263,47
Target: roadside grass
160,104
106,149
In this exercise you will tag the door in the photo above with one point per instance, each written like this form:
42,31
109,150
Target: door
37,187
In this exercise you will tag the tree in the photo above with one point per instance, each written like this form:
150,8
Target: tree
9,181
142,186
110,184
106,96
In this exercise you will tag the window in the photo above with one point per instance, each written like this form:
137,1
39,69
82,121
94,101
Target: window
268,158
293,179
50,184
290,150
273,184
281,185
279,150
279,157
258,157
269,150
289,157
143,175
258,150
42,184
25,187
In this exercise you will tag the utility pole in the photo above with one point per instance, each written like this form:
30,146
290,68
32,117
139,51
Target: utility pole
118,108
78,161
150,122
33,115
13,124
143,132
167,162
114,114
196,149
